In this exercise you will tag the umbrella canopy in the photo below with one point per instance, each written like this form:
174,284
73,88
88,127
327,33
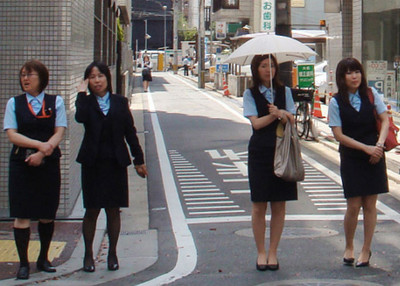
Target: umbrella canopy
283,48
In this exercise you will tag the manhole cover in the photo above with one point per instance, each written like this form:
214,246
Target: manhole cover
315,282
295,232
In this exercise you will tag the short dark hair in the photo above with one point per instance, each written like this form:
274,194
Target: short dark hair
255,63
103,68
344,66
41,69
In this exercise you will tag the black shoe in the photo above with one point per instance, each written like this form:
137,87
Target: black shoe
364,264
112,263
261,267
45,266
348,261
273,267
23,273
88,265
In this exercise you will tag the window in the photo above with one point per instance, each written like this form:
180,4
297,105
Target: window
105,32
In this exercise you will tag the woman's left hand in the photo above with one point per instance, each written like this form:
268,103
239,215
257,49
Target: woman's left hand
141,170
35,159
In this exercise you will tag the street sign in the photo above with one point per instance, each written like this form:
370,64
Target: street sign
222,67
305,75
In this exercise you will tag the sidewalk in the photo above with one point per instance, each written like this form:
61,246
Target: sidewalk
137,245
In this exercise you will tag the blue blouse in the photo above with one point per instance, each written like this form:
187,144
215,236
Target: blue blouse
249,105
104,103
10,119
355,101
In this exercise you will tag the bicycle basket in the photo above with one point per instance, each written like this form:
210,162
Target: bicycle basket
302,94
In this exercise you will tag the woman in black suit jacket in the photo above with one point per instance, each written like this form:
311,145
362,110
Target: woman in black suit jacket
104,157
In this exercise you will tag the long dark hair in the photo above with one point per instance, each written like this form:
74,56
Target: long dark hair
350,65
255,63
41,69
103,68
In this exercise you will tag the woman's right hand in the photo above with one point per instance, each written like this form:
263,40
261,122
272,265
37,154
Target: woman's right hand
35,159
82,87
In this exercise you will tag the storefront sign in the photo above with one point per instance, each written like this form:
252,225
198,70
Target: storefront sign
390,84
376,74
222,67
220,30
298,3
305,76
267,16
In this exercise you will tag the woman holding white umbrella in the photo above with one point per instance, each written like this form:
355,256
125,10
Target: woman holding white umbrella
266,104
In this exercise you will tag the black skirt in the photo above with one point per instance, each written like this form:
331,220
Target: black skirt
264,185
360,178
105,185
34,192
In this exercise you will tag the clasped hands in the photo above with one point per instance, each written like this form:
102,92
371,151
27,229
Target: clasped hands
376,153
36,159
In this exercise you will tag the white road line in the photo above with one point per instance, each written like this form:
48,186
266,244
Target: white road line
189,176
240,191
312,183
206,199
199,187
213,207
199,190
209,203
187,173
195,183
216,212
191,179
235,180
206,194
327,217
330,204
328,200
327,195
325,187
187,252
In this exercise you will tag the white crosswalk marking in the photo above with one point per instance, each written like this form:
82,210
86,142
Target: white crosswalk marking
200,195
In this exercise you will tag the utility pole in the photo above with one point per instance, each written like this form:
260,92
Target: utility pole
200,49
145,35
284,28
176,15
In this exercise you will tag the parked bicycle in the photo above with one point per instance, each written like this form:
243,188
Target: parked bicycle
304,99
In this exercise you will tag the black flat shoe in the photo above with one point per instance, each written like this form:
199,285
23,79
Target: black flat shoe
88,265
261,267
273,267
112,263
45,266
23,273
348,261
364,264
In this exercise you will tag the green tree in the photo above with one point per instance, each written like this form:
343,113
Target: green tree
184,32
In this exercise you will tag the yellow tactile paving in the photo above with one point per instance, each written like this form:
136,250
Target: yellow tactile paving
8,251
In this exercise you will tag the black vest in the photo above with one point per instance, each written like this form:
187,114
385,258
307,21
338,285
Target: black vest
360,125
35,128
266,137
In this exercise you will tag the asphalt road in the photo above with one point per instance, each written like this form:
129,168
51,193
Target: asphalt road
199,203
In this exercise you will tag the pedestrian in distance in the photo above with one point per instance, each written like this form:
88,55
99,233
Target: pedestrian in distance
35,123
265,108
362,158
146,72
186,64
104,157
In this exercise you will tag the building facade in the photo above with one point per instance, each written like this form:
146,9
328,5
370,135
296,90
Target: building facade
66,36
368,30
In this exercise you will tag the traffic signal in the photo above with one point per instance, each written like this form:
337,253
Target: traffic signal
322,23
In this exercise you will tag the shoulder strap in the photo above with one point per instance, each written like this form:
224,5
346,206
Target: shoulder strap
370,96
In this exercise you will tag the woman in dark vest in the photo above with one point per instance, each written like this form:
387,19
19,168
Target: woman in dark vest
362,160
35,123
266,108
104,157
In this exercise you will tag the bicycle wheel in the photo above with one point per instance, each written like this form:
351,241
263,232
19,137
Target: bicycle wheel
302,117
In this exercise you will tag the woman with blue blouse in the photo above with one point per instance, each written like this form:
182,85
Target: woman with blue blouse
35,123
265,108
362,159
104,156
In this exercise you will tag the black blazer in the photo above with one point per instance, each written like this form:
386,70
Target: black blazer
89,113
